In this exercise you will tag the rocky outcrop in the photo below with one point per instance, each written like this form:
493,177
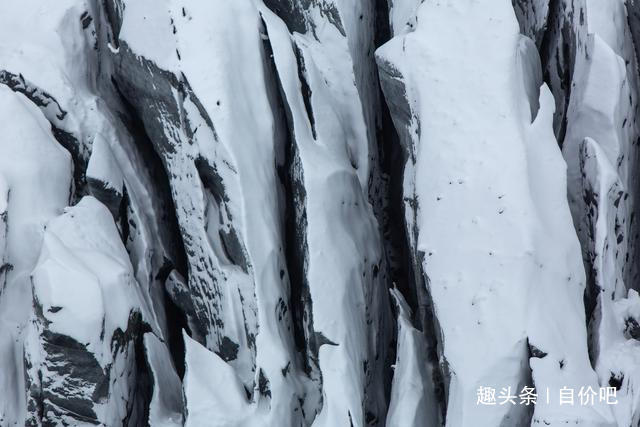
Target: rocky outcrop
213,156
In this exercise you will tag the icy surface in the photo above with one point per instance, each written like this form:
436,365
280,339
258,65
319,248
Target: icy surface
318,212
517,243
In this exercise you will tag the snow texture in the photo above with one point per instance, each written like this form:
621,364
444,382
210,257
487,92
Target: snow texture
318,213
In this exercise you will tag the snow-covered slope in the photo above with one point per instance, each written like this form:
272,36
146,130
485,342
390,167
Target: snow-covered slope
477,136
317,212
36,176
260,148
88,313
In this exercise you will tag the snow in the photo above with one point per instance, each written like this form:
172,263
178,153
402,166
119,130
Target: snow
30,52
523,277
619,354
260,129
4,206
602,107
413,399
534,14
615,352
402,15
224,66
36,174
609,21
592,114
82,265
556,325
203,218
342,242
58,59
206,402
149,24
600,148
84,289
103,166
4,200
166,407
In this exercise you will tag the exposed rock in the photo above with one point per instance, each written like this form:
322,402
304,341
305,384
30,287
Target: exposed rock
344,268
80,352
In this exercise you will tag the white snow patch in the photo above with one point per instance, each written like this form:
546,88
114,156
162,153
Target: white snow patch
523,276
37,172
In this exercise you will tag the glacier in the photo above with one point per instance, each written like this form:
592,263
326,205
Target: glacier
319,212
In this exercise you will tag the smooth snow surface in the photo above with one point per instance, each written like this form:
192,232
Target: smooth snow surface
36,173
475,147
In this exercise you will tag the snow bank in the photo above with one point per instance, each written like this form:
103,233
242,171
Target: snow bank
36,174
471,143
87,315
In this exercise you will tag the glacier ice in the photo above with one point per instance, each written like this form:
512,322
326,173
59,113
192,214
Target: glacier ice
318,212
